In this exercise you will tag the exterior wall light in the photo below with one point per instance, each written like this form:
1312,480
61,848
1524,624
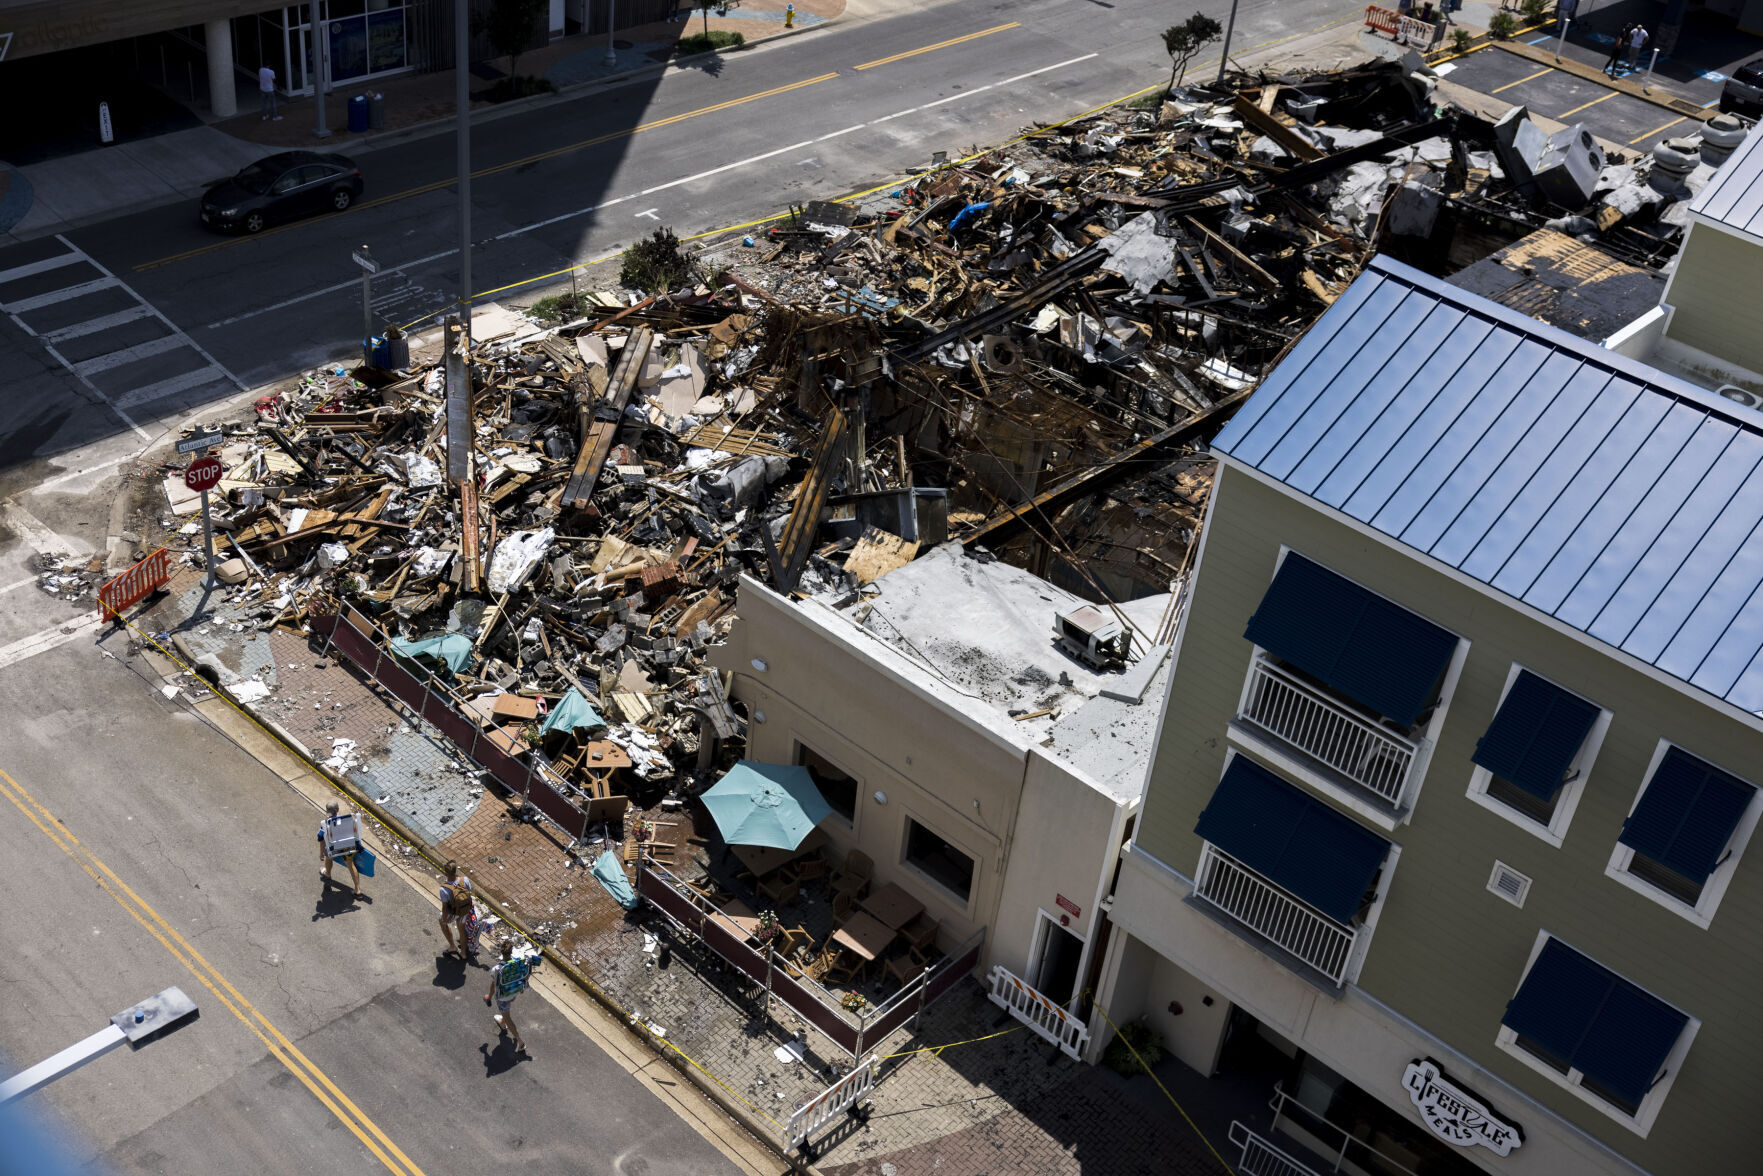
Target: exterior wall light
758,716
881,797
761,664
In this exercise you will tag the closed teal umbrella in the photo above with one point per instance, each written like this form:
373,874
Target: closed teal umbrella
776,805
450,649
572,713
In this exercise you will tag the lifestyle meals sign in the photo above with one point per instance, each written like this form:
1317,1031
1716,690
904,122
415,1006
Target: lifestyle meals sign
1454,1114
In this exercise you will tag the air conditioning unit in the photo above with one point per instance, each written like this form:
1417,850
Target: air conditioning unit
1093,636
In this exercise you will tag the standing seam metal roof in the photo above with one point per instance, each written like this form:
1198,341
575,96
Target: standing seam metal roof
1615,498
1734,197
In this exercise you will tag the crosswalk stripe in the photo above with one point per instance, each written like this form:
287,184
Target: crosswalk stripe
38,267
61,295
115,359
169,386
101,323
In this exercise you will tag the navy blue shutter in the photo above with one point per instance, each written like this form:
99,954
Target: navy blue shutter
1687,814
1376,653
1603,1026
1535,735
1292,839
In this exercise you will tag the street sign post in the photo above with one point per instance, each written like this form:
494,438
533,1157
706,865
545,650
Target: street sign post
369,267
203,474
200,442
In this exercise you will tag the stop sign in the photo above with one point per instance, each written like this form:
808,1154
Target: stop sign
203,474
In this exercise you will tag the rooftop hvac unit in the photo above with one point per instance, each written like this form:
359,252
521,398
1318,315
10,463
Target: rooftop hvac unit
1092,636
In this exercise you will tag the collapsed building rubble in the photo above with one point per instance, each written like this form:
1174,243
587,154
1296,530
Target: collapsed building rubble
1025,351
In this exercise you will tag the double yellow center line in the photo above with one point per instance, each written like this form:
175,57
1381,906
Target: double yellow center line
554,152
219,986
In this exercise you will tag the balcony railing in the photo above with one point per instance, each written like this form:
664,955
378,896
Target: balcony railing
1364,753
1269,911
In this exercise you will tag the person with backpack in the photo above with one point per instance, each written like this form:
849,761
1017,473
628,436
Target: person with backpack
456,911
339,837
508,980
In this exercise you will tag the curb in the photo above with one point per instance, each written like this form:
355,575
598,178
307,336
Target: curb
734,1110
1676,104
411,134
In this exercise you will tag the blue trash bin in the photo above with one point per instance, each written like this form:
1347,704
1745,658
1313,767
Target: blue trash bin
358,114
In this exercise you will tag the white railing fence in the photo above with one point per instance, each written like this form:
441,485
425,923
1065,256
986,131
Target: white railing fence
1366,754
1261,1158
844,1097
1037,1012
1268,910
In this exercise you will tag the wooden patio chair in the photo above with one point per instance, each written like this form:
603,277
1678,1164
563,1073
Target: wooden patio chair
906,966
780,888
844,902
855,876
921,933
811,869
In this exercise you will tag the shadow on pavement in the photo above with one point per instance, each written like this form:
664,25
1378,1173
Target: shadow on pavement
502,1057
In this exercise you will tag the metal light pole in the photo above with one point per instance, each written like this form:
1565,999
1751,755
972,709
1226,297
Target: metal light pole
462,99
1230,26
611,20
134,1027
319,129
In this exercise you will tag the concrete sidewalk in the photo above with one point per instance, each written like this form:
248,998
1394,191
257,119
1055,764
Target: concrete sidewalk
59,194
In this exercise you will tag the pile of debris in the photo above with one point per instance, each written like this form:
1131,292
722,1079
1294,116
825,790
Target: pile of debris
1025,351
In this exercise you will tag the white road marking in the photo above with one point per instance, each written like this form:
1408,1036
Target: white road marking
62,295
169,325
351,284
58,635
37,267
116,359
17,584
170,386
83,472
605,204
651,213
37,536
101,323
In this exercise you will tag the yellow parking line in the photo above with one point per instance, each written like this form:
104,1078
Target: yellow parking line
1593,102
1654,131
310,1076
939,45
1533,77
552,153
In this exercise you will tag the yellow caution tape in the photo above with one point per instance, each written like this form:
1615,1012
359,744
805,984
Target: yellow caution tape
1172,1101
938,1049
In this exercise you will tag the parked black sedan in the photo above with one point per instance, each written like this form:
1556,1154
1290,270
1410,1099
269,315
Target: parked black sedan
284,186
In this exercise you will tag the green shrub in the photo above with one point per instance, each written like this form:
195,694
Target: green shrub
508,89
1533,9
558,307
1503,25
655,264
1460,41
708,42
1140,1037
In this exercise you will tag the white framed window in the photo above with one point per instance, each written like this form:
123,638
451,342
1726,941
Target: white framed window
838,788
949,867
1652,866
1547,819
1638,1115
1316,734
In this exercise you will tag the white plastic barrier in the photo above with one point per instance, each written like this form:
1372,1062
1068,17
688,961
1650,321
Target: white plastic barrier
842,1097
1038,1013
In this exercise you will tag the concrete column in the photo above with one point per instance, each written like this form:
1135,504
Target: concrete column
223,97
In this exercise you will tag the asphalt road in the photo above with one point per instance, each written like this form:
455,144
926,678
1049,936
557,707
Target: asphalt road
151,317
143,850
1609,114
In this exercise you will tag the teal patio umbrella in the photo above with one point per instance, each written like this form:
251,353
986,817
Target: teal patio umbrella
766,804
572,713
450,649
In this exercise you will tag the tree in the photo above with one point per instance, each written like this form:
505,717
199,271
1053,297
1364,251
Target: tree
1184,40
721,6
512,26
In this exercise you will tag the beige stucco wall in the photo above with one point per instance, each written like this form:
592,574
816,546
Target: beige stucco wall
829,687
1064,831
